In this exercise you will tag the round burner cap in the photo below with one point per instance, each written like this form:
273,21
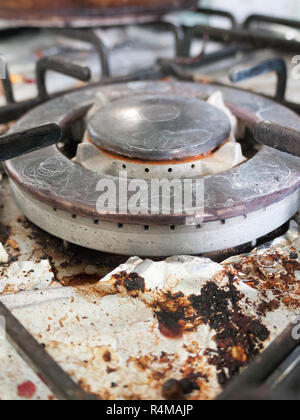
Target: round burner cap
159,127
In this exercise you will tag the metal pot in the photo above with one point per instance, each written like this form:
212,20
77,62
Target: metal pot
88,12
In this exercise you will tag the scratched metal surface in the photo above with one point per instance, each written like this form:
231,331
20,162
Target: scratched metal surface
265,179
160,127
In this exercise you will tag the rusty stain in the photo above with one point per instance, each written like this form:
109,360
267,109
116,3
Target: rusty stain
160,162
239,337
218,305
81,279
13,244
274,272
5,232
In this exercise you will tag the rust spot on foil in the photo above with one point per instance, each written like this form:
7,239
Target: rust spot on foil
13,244
107,356
291,302
169,323
5,232
239,354
273,272
239,338
132,282
173,390
82,279
266,307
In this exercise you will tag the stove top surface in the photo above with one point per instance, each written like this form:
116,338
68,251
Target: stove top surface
65,296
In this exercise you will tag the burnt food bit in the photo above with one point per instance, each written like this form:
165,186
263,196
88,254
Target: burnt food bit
239,338
173,390
134,282
169,324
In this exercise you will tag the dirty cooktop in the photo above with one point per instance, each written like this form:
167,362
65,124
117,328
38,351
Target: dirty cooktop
149,330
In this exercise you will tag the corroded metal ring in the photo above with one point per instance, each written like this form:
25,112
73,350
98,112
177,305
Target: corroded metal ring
51,178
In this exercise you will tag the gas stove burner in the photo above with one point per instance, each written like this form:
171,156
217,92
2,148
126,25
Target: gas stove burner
143,128
159,127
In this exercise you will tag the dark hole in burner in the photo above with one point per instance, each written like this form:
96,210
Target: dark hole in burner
249,146
73,136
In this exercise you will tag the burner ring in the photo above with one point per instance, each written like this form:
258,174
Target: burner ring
232,198
154,241
159,127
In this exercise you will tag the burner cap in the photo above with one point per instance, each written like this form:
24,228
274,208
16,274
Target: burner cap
159,127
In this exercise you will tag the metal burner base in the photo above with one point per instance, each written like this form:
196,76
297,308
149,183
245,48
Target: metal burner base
241,204
156,241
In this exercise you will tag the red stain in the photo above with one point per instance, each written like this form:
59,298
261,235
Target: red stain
29,81
38,54
26,390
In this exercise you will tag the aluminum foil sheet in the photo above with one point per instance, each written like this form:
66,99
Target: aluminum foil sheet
124,333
